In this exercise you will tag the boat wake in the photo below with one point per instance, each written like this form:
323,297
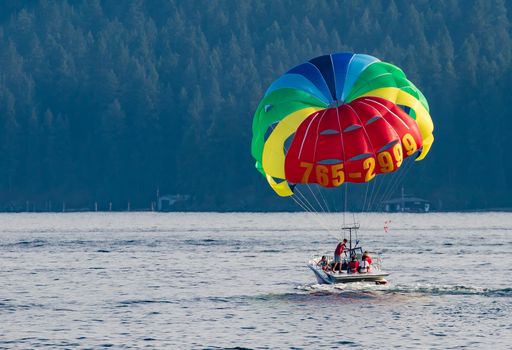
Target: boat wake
416,289
363,286
432,289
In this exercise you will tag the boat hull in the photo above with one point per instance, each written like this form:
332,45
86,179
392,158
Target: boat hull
323,277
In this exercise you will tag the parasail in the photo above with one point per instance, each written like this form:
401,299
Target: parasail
339,118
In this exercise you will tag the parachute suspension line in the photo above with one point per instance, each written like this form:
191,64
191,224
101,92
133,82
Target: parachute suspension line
308,207
386,186
314,160
395,178
337,208
354,219
323,199
369,141
373,193
378,192
373,185
305,201
343,157
357,238
345,203
346,206
395,181
392,183
303,205
383,183
312,213
316,199
399,179
365,197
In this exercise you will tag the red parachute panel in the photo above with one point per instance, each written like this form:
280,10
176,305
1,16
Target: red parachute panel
351,143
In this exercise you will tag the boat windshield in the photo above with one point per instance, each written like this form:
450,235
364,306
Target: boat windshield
357,251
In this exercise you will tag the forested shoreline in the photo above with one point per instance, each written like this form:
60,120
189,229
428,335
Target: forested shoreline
118,102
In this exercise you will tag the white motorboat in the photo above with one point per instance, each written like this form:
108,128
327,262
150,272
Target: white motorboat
327,276
330,277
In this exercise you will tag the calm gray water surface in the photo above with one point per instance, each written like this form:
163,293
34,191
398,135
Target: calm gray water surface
215,281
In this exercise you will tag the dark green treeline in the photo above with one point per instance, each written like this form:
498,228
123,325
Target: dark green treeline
109,101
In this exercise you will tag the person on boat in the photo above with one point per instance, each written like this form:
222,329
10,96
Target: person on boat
340,248
353,265
364,267
324,264
366,256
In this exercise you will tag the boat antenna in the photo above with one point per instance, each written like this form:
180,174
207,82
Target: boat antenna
354,227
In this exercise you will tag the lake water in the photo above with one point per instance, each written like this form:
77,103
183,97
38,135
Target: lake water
239,280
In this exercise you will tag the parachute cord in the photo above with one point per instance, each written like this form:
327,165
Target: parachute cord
316,199
378,193
372,193
343,154
306,205
326,205
395,181
375,190
391,184
399,179
345,204
314,158
306,202
365,197
312,209
323,199
357,238
372,185
364,129
301,204
312,213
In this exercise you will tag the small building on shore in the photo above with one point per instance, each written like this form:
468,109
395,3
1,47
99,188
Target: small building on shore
171,202
407,204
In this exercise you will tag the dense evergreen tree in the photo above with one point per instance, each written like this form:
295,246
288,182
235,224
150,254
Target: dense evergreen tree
106,101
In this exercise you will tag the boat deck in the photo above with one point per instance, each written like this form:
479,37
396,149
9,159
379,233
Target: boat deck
329,277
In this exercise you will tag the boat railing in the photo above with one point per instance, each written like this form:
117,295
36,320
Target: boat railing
376,259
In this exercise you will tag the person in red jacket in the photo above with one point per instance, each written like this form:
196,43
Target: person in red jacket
353,266
366,256
340,248
364,267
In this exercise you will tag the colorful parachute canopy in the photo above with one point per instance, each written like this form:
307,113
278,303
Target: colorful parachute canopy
339,118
